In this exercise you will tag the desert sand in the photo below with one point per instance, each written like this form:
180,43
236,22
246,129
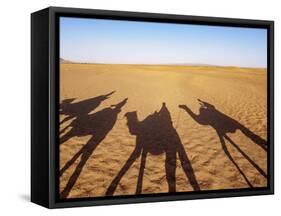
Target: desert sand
140,129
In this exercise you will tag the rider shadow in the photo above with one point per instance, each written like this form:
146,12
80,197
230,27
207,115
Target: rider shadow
223,124
98,125
81,108
155,135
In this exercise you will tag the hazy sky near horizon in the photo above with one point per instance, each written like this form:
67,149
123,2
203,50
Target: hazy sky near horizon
132,42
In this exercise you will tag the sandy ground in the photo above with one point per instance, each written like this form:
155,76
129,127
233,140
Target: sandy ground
108,149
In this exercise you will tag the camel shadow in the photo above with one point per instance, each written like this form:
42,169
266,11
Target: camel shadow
81,108
155,135
98,125
223,124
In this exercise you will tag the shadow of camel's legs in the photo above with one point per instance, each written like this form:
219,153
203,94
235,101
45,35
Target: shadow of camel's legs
66,119
232,160
72,180
170,166
71,161
135,154
246,156
85,153
188,170
141,172
64,129
67,136
255,138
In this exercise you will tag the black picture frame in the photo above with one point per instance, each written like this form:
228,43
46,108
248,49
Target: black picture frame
45,102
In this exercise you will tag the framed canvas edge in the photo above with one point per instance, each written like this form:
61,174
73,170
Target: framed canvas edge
53,66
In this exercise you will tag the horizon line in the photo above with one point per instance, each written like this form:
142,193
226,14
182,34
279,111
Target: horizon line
172,64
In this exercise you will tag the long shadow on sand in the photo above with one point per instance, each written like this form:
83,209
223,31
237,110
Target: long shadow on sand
155,135
79,109
223,124
98,125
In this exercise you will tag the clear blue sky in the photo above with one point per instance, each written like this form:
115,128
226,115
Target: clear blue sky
130,42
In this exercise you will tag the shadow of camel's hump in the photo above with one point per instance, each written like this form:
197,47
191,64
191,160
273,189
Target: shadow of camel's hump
156,135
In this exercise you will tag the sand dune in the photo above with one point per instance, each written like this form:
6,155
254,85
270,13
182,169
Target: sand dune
112,113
